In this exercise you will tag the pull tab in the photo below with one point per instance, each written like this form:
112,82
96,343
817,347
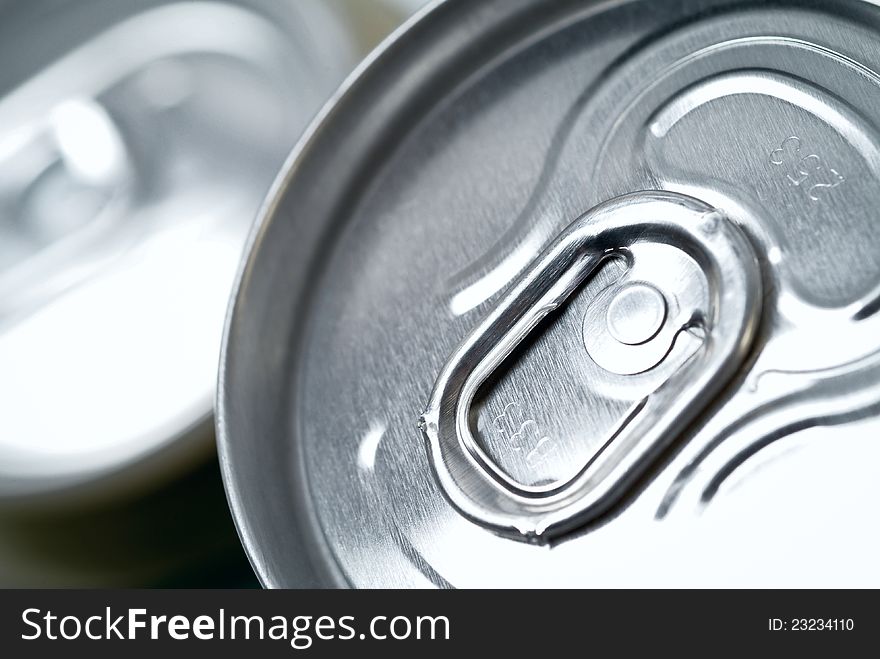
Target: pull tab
470,479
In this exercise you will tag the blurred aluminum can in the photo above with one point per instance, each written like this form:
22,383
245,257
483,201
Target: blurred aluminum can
137,141
572,293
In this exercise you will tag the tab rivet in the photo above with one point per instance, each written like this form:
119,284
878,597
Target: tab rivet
636,314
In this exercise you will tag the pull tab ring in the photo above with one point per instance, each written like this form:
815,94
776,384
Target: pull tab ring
469,478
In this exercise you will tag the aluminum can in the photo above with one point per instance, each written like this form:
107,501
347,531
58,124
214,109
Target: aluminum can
572,293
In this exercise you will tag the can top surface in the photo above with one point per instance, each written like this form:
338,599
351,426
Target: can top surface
416,212
137,140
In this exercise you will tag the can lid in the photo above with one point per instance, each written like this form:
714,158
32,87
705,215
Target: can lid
133,164
419,258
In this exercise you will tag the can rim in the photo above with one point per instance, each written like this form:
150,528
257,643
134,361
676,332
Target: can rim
232,487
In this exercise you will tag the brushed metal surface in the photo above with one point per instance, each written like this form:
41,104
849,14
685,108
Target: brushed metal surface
442,171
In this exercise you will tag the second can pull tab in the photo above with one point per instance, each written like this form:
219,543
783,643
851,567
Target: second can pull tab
630,327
